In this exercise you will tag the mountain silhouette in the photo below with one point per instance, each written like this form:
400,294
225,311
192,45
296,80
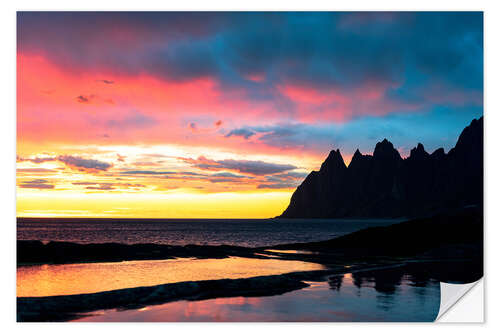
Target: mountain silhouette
384,185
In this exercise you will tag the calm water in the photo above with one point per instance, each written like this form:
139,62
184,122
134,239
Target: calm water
181,232
370,296
51,280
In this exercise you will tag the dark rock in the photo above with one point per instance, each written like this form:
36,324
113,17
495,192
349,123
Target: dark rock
386,186
419,153
35,252
438,153
406,238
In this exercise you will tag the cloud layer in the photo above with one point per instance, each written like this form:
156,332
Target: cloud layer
180,103
244,166
200,78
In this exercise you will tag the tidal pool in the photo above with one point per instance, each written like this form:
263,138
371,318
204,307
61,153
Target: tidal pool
384,295
70,279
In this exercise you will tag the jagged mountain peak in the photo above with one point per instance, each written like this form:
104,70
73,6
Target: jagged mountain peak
334,160
358,158
438,153
384,144
472,134
385,149
418,152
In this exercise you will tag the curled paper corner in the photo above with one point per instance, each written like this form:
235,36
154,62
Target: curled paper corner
452,307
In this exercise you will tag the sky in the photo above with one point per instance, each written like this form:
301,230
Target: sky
223,114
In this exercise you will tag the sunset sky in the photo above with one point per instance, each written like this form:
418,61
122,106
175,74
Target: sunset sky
222,115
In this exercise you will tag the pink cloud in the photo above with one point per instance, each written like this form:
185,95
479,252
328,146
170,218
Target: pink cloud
339,105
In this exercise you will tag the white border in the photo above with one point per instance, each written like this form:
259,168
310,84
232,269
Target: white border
8,125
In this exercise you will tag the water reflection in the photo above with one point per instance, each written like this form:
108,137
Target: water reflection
291,251
68,279
389,295
384,281
391,283
335,282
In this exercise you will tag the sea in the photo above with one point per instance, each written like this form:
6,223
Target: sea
239,232
390,294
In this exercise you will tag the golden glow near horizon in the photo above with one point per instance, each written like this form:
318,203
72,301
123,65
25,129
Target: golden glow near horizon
159,181
147,205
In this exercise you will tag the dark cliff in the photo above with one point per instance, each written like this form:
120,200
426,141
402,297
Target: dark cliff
386,186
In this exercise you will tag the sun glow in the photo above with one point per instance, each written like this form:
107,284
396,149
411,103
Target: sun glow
32,203
154,181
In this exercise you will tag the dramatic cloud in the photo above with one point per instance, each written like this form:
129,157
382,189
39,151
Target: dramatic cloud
289,176
217,177
41,184
258,168
141,96
36,160
400,52
319,137
404,130
283,181
227,177
186,72
84,164
243,132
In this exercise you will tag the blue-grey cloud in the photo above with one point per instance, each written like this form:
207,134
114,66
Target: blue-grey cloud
227,175
84,164
287,177
278,185
71,161
41,184
290,179
216,177
438,128
257,168
322,49
243,132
